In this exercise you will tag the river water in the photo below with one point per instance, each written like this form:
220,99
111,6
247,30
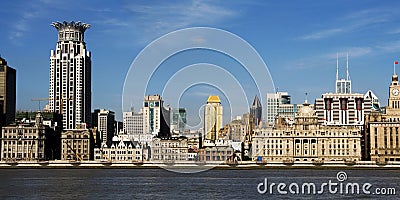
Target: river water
211,184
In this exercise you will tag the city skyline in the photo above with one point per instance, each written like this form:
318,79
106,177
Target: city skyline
297,42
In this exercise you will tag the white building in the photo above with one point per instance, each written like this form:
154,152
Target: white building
307,141
155,116
70,75
288,112
273,102
169,149
343,107
212,118
122,149
133,123
374,100
106,120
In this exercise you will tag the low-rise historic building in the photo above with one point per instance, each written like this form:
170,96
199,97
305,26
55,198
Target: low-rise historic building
383,140
306,140
121,149
76,145
169,149
24,141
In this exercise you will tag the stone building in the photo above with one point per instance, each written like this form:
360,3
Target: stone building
76,145
306,141
173,149
24,141
383,130
121,149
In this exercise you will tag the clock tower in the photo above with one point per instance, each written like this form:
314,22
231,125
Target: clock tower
393,107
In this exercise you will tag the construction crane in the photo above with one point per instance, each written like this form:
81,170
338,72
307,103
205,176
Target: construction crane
73,150
61,100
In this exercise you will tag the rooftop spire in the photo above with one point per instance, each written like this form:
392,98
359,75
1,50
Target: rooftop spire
347,67
337,66
256,102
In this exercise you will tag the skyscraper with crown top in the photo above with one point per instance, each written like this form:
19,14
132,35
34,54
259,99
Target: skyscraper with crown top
70,75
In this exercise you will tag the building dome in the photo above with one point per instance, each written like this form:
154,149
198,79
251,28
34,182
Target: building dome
115,139
306,111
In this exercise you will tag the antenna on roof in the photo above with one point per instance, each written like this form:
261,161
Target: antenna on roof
306,98
337,66
347,67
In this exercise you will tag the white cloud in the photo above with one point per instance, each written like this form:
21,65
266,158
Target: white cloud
162,18
352,22
322,34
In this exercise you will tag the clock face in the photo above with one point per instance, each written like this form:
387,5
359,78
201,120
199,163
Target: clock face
395,92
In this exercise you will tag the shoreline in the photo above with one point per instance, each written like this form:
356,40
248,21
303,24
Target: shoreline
365,165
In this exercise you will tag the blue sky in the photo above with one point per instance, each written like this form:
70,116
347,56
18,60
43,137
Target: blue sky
298,41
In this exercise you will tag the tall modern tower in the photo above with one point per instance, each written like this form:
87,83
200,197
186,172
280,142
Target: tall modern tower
343,86
212,118
256,111
7,93
155,116
70,75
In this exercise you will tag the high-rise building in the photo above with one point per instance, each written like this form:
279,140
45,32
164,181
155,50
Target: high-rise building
70,75
95,118
7,93
133,123
273,102
178,120
106,119
256,111
212,118
155,116
342,107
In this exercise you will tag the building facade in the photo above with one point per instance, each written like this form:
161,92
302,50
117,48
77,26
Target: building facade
273,102
288,112
106,119
172,149
343,107
7,93
155,117
213,113
307,141
70,75
122,149
383,129
24,141
178,120
132,123
76,145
